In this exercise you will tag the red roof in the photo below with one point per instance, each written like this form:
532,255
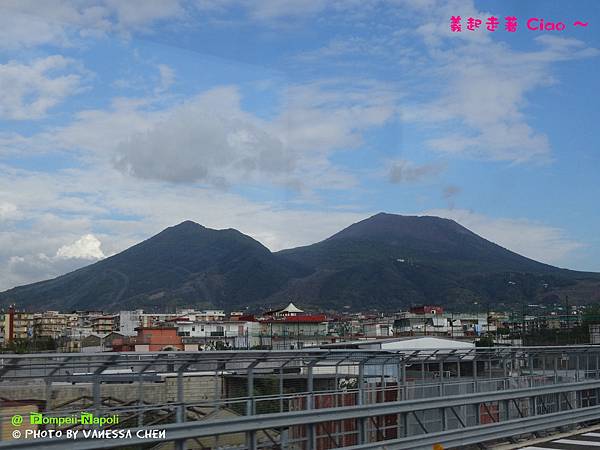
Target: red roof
245,318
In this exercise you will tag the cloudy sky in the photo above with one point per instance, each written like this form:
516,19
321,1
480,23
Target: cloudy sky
290,119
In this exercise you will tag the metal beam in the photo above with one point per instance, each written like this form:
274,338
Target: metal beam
190,430
463,437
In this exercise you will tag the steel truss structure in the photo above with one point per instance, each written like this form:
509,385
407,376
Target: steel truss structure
307,399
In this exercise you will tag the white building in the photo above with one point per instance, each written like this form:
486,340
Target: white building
129,321
234,334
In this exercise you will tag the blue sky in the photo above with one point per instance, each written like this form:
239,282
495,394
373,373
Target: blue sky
290,120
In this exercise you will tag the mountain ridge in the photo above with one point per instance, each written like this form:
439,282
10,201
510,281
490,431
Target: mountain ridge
385,262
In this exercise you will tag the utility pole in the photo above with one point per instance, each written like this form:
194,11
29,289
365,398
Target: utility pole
487,319
568,312
523,318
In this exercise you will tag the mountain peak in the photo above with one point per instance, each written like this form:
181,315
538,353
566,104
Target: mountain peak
385,226
188,224
386,261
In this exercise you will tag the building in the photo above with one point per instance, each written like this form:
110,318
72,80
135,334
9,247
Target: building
218,335
380,328
410,323
294,331
428,345
52,324
594,334
17,325
129,321
289,310
150,339
432,321
210,315
405,343
104,324
92,343
427,309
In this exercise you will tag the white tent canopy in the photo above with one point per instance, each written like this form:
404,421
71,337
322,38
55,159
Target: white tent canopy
291,308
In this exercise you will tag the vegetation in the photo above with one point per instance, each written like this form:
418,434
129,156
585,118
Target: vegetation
386,262
31,345
486,341
570,334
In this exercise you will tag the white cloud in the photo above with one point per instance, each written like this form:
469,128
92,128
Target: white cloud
31,253
31,23
140,14
208,139
8,211
56,222
469,90
333,114
153,206
86,247
276,9
535,240
486,87
28,91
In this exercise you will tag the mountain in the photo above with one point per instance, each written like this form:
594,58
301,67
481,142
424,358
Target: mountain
385,262
419,260
183,265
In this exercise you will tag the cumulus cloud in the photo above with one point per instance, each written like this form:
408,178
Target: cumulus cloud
209,139
29,90
39,252
20,270
86,247
55,243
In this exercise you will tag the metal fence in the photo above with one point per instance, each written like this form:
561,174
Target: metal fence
310,399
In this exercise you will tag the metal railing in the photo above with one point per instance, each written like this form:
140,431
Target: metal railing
311,399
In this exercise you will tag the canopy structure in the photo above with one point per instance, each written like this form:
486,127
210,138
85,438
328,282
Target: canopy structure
289,310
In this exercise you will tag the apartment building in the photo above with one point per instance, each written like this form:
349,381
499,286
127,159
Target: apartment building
52,324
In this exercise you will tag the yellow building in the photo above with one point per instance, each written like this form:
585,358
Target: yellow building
104,324
52,324
17,325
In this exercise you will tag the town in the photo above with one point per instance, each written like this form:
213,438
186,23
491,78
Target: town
299,225
287,328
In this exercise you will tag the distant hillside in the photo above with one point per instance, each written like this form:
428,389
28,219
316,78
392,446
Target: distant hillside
388,257
385,262
184,264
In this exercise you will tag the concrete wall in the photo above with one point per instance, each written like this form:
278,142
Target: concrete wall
57,395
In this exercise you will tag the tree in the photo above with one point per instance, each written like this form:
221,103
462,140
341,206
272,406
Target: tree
485,341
